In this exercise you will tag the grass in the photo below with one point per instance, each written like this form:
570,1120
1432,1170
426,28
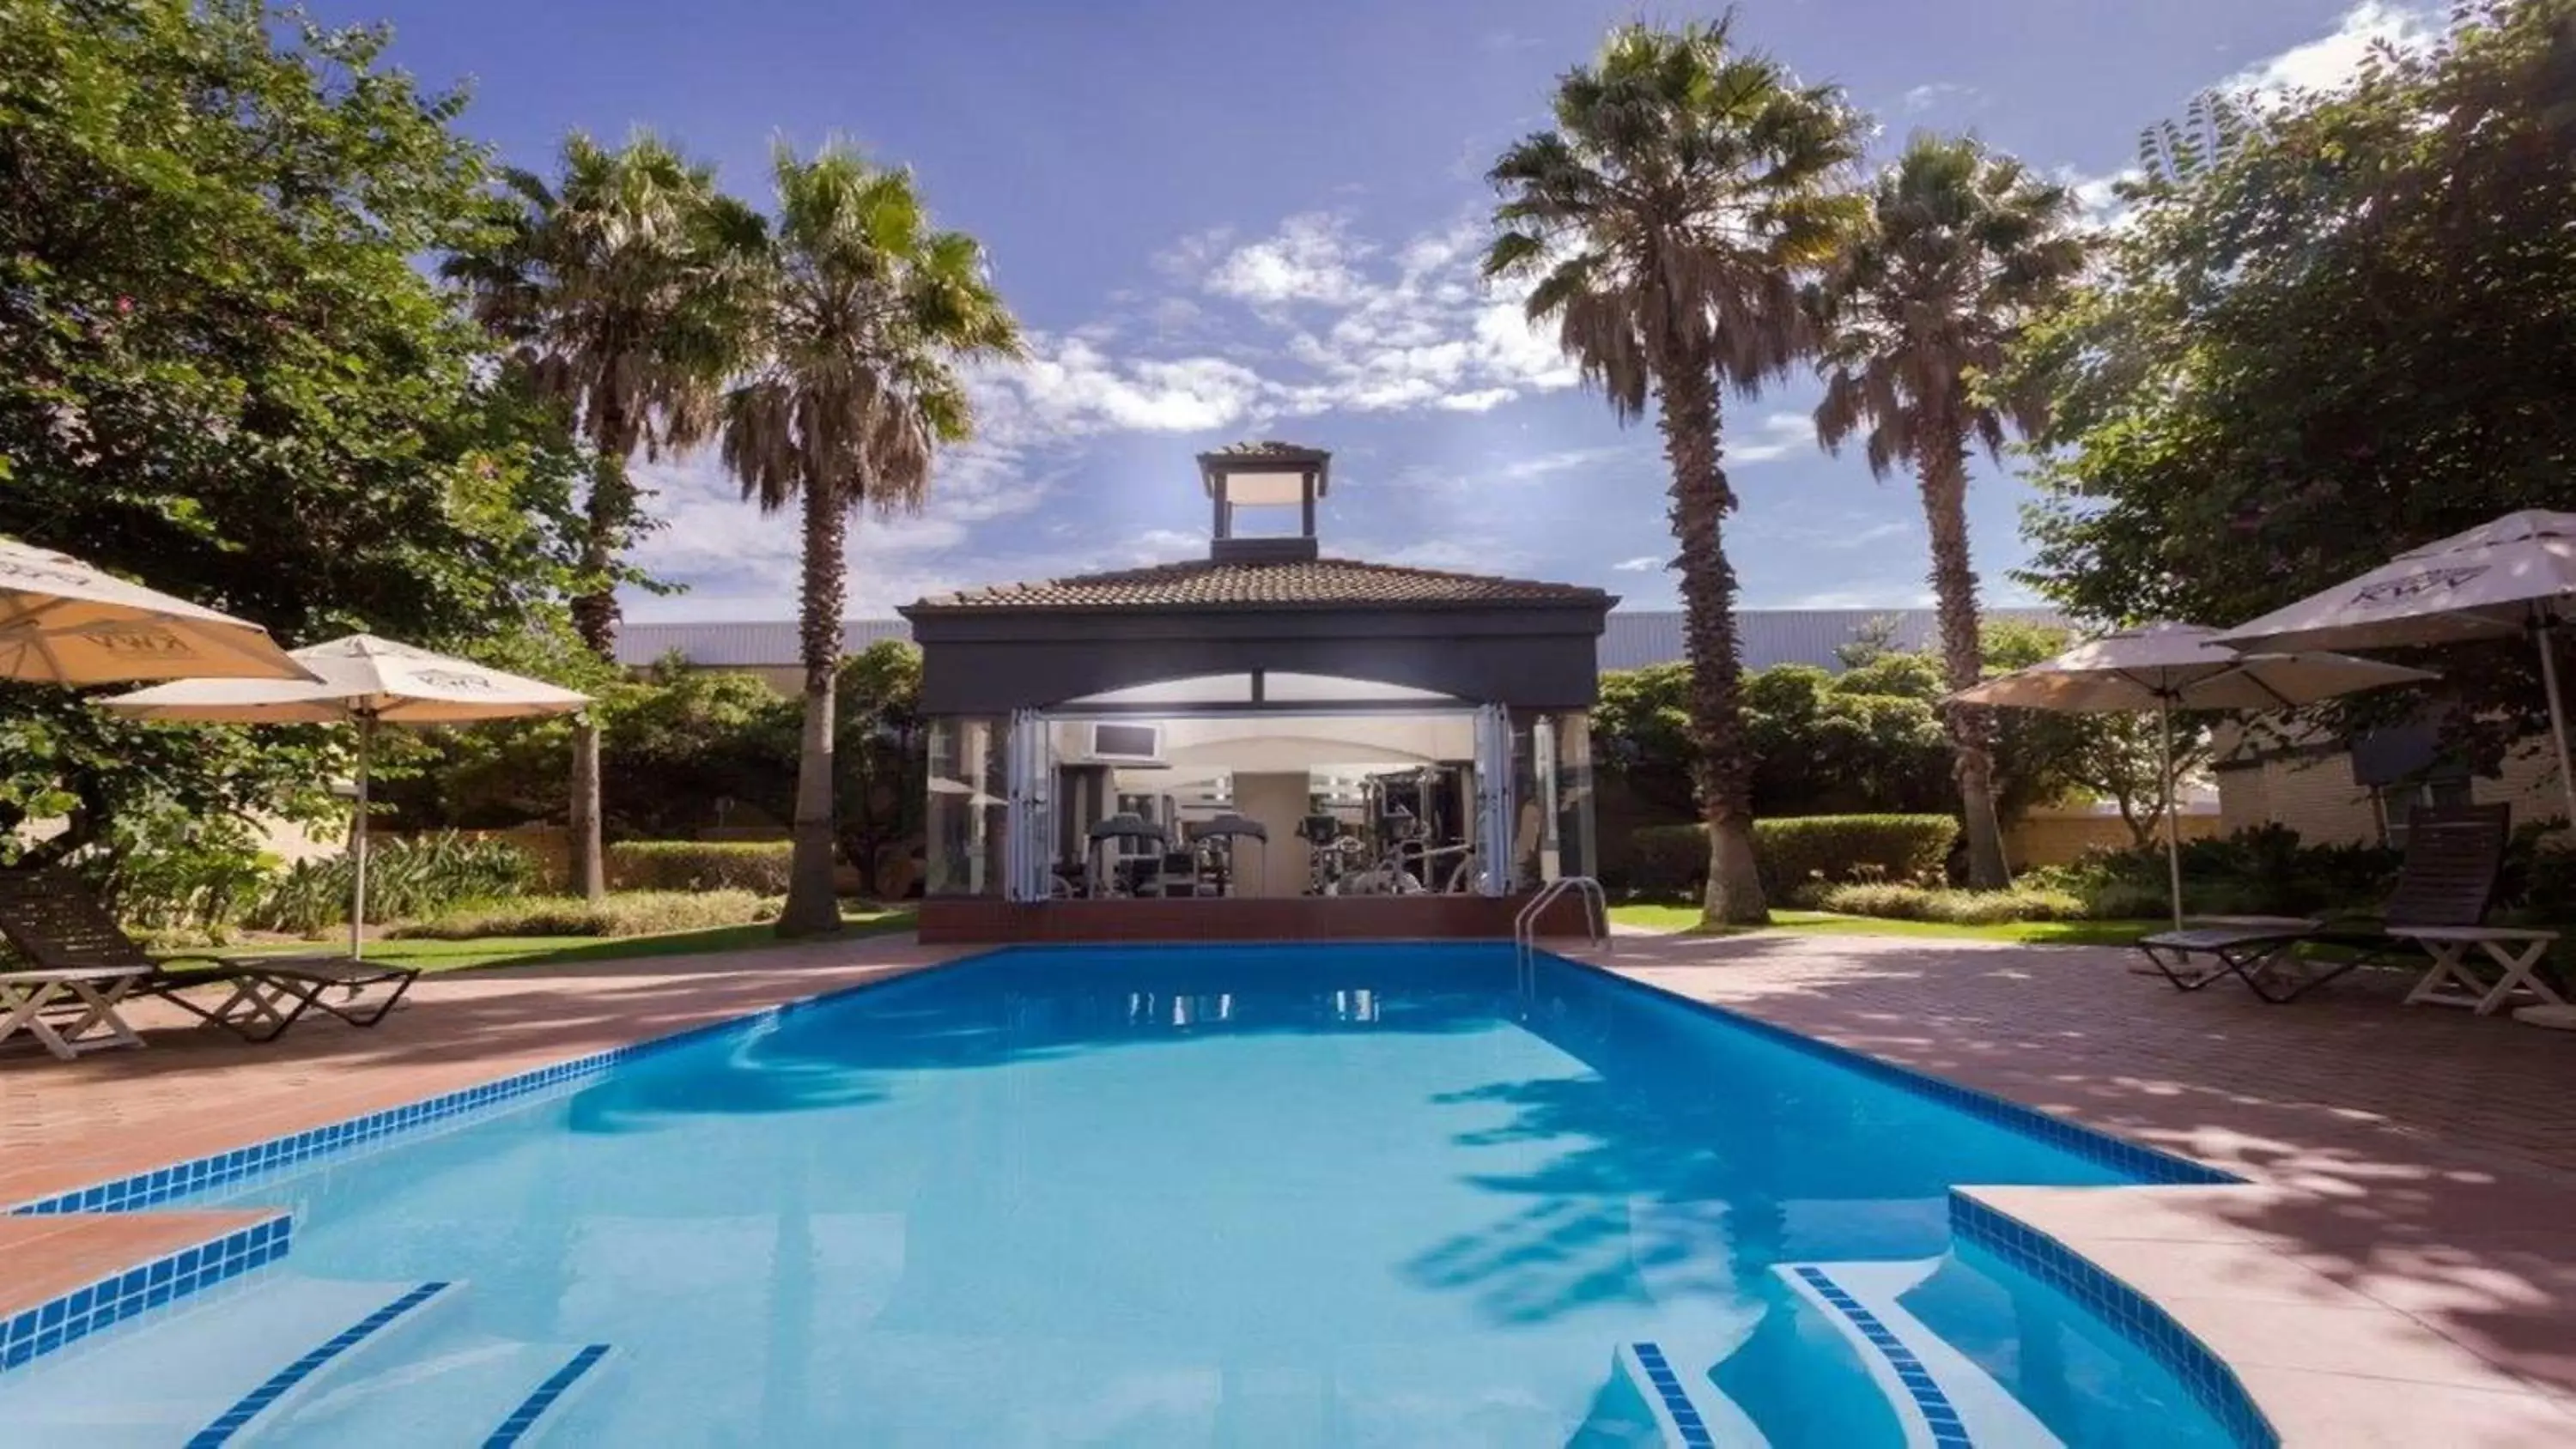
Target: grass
430,955
1826,923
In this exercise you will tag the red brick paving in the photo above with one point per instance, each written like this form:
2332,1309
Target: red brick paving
2403,1271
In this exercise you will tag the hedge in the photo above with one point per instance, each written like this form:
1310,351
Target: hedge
1800,853
757,866
1957,908
623,913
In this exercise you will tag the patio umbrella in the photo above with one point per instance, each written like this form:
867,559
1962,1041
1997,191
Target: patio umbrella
365,681
64,622
2513,576
2166,667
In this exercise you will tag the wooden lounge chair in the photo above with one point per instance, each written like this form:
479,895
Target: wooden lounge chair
2454,856
50,917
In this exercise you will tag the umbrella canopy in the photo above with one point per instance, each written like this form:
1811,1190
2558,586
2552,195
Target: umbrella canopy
2180,666
361,680
64,622
2492,582
2165,667
2515,575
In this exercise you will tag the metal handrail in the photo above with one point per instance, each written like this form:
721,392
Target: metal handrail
1525,923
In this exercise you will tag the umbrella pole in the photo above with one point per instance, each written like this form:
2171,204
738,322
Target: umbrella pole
358,843
2547,634
2173,816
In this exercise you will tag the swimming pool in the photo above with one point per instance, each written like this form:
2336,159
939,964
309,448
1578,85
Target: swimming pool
1242,1196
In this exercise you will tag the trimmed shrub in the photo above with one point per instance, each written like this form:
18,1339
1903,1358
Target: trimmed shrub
406,877
1800,853
1951,907
624,913
758,866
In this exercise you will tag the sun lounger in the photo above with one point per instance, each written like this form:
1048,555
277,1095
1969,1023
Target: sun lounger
33,1002
53,921
2454,855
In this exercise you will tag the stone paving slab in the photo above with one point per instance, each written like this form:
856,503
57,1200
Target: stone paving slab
2401,1268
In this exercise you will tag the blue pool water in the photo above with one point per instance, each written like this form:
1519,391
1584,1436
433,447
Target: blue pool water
1254,1196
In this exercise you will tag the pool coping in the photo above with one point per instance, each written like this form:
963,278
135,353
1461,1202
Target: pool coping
2002,1228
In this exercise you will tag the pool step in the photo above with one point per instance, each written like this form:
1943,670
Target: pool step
1941,1398
205,1372
1687,1407
495,1391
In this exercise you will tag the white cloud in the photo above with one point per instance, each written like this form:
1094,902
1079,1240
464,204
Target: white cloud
2097,198
1311,259
1883,598
1642,563
1481,400
1777,436
2333,58
1938,93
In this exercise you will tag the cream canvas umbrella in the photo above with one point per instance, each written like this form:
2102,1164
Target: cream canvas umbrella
2166,667
64,622
365,681
2516,575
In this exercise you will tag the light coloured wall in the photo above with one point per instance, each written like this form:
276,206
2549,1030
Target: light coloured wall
1278,801
2048,837
2315,795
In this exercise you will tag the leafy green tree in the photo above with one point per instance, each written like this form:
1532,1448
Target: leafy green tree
221,371
869,310
881,758
620,291
2342,331
1919,314
1667,222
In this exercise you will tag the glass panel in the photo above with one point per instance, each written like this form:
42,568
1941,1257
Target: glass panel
969,806
1577,852
1283,686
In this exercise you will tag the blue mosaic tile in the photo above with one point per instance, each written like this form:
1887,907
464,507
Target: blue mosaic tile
525,1417
1927,1395
2211,1383
1668,1388
60,1322
251,1405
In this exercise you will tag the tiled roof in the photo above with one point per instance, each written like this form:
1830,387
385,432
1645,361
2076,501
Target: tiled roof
1290,583
1269,448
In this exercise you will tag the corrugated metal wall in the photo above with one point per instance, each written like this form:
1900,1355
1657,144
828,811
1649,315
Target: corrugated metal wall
1633,639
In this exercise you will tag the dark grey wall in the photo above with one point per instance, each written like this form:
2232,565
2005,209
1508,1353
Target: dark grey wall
989,661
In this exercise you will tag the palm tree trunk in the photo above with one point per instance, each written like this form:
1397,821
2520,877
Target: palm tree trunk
812,906
610,516
1722,768
1954,589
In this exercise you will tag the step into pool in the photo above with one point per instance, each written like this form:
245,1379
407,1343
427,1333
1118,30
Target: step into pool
1243,1196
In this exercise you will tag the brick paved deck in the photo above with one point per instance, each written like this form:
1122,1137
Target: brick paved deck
2403,1271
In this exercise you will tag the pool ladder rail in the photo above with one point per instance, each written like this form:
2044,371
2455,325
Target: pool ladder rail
1596,918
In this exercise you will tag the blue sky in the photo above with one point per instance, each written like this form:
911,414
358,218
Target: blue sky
1224,220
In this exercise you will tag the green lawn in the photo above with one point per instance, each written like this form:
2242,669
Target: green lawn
1826,923
562,950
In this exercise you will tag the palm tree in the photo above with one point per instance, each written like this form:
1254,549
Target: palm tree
869,313
1668,223
617,290
1918,316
